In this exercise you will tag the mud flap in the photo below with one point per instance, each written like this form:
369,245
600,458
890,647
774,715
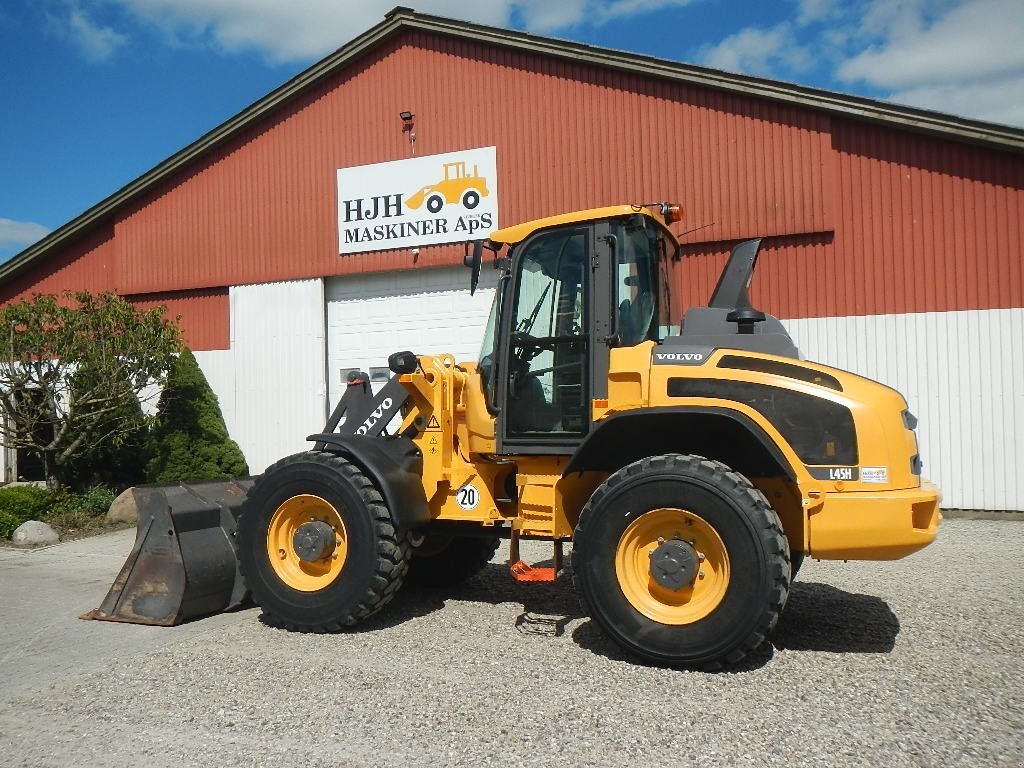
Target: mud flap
183,564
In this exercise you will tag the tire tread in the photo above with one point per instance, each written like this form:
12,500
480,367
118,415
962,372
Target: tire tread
765,518
393,546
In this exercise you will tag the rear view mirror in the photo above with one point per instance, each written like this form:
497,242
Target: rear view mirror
473,259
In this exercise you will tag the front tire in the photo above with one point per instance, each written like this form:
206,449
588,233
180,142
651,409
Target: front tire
317,546
681,561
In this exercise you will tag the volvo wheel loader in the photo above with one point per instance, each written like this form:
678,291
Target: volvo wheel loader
692,467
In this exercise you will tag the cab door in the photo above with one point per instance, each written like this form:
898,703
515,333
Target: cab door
545,380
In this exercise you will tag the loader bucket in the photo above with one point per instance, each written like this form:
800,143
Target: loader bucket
183,564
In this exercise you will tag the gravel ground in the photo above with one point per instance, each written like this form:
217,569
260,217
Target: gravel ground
915,662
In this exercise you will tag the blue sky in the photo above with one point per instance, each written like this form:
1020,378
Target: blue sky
96,92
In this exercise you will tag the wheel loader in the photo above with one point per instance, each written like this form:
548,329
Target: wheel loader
691,466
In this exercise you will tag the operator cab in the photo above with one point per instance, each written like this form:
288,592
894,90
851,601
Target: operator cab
559,310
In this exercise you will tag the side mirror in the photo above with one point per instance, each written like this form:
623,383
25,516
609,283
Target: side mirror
473,259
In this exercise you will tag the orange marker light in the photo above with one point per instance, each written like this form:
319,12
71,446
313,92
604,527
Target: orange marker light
672,212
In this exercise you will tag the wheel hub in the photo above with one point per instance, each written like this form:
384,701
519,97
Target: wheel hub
314,541
674,564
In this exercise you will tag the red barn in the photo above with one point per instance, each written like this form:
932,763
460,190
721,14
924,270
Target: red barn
893,235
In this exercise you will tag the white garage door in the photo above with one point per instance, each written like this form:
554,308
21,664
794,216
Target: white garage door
427,311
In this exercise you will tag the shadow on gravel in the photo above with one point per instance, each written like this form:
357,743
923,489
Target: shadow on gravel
547,607
820,617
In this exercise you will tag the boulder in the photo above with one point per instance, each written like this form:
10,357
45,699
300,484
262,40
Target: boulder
123,509
34,534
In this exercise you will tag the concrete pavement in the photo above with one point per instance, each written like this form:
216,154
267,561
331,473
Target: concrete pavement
42,594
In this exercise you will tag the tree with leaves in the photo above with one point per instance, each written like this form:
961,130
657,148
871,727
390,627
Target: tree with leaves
190,438
72,370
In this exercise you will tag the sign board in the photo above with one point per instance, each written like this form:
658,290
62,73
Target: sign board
445,198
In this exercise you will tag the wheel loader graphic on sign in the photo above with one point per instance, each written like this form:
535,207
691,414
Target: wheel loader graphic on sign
458,186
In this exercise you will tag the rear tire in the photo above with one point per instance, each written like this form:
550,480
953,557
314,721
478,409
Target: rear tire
446,561
353,581
681,509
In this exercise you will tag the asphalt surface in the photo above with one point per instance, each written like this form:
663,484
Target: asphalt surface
915,662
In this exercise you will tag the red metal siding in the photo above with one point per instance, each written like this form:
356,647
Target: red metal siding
927,225
203,315
90,265
860,219
568,137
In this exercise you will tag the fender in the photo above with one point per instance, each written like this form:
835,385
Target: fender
394,464
632,435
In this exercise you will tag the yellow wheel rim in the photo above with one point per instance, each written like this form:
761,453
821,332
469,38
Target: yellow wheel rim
289,567
689,603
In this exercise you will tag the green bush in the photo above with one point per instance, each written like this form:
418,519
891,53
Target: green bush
20,503
190,439
76,510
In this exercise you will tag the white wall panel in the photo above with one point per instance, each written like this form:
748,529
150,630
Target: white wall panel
963,376
427,311
271,382
219,368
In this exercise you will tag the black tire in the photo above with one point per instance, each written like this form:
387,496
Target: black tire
471,199
435,203
796,559
720,502
377,550
446,561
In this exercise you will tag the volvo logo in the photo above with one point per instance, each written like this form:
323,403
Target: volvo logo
374,416
682,357
687,356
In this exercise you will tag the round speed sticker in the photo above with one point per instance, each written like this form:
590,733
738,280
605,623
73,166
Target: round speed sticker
468,496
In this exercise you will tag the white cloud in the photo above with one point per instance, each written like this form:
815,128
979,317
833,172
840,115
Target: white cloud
976,40
20,233
286,33
956,56
68,20
810,11
757,51
603,12
966,59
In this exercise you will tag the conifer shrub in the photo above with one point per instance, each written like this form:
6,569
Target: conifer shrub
189,438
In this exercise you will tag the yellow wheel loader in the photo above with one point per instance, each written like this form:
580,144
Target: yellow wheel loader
691,467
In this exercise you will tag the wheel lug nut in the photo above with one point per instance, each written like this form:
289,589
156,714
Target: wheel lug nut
700,556
282,554
661,539
700,575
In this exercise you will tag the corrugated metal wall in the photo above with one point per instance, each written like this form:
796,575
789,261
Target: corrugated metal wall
202,314
568,137
860,219
271,382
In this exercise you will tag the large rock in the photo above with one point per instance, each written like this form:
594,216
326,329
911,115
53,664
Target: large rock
34,534
123,509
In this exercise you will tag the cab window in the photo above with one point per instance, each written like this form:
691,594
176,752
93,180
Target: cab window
546,387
